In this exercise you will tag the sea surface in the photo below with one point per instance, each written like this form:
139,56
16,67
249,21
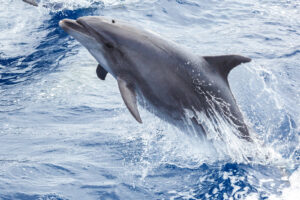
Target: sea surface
65,134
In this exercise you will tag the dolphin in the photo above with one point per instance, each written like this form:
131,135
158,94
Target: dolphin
166,79
31,2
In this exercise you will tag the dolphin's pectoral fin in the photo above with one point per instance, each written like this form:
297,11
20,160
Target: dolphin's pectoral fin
101,72
129,97
226,63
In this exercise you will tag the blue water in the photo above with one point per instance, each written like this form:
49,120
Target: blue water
64,134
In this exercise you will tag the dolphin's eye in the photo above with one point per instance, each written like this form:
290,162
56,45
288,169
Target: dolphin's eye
109,45
113,21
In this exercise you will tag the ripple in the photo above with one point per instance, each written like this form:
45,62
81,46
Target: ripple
24,196
66,135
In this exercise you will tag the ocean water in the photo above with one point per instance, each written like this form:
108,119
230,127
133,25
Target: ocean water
65,134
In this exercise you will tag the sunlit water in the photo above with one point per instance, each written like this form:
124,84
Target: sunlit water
64,134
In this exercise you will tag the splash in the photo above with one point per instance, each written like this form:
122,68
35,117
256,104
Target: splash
59,5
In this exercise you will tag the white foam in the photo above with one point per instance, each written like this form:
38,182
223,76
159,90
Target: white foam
22,34
292,192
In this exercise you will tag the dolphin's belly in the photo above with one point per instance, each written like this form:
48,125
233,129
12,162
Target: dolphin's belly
170,101
178,116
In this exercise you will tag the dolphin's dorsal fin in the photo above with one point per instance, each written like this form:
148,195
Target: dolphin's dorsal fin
226,63
101,72
129,97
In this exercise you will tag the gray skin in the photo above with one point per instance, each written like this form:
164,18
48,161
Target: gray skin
164,78
31,2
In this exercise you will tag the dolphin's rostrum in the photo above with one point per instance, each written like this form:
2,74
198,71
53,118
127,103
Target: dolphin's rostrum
167,79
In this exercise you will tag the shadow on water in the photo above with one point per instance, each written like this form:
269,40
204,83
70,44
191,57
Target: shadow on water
47,54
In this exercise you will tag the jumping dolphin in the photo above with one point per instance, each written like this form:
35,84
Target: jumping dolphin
164,78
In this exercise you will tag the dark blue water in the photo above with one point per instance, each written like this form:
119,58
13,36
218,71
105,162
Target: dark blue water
64,134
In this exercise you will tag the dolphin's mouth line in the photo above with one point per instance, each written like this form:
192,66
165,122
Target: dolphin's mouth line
70,25
101,37
81,25
88,30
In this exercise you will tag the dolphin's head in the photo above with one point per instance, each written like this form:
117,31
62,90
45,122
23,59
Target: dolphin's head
107,40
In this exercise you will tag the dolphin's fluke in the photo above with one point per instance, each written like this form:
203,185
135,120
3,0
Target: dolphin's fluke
129,97
224,64
31,2
101,72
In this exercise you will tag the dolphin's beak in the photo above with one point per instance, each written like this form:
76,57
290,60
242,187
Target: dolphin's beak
69,26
